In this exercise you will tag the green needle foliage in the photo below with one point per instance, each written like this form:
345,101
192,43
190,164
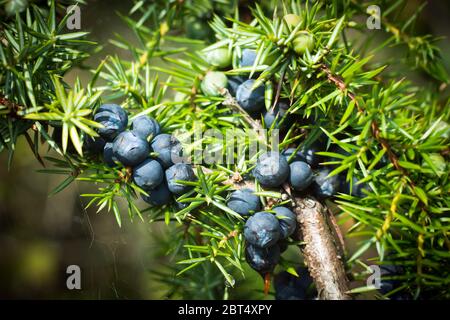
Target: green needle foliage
393,134
34,51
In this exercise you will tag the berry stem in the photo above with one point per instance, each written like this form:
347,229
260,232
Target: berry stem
13,107
267,279
231,102
277,95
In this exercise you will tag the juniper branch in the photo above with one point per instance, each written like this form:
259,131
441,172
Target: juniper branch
375,129
320,250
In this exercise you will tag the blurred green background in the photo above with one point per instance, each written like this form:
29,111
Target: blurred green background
40,236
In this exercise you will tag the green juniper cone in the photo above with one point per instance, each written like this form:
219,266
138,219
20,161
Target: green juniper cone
213,83
369,147
220,57
303,41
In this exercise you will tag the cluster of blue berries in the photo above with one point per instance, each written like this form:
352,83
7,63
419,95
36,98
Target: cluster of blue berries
264,232
155,158
300,168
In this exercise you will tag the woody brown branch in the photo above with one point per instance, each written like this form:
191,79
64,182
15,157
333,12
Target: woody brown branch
320,250
231,102
375,129
13,107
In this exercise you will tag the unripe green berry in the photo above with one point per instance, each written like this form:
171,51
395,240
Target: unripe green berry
15,6
292,20
220,57
213,83
303,40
